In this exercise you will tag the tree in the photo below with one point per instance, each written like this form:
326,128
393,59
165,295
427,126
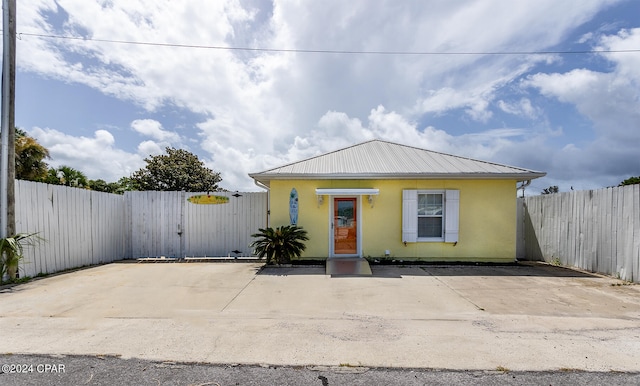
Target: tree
52,177
72,177
551,190
630,181
30,156
176,170
119,187
66,175
280,245
125,184
100,185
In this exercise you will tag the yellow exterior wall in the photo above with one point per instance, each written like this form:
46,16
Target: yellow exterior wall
487,230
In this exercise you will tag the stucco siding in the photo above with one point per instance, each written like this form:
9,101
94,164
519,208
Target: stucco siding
487,230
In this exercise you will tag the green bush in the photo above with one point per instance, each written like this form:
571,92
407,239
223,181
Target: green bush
280,245
12,251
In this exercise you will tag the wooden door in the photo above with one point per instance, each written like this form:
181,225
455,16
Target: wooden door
345,226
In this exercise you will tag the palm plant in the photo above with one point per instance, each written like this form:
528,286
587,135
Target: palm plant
280,245
12,251
72,177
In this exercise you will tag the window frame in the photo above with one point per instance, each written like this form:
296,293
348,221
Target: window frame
442,194
451,214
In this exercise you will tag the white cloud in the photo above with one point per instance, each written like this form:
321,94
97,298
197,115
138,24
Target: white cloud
523,108
627,63
391,126
611,100
150,148
267,108
96,157
337,130
153,129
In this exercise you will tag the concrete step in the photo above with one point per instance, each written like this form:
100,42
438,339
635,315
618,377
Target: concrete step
348,266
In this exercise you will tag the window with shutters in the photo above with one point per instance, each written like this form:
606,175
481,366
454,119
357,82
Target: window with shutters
430,215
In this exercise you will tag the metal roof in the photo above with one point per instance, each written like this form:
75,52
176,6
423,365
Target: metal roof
379,159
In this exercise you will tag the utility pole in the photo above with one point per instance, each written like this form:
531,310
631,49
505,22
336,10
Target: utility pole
7,135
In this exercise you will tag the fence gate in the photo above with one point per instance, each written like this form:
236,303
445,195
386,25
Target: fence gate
178,224
155,223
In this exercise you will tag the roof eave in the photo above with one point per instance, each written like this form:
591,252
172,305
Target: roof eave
265,178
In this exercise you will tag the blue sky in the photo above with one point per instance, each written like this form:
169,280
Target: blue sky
102,107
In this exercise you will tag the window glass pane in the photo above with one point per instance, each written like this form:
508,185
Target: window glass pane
434,208
430,205
429,226
422,204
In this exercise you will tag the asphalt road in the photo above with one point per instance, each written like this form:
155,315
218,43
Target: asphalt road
106,370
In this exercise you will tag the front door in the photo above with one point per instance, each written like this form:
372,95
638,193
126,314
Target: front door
345,226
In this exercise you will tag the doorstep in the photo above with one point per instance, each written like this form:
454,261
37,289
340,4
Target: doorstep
348,266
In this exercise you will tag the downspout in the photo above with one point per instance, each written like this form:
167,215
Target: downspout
260,184
523,185
265,187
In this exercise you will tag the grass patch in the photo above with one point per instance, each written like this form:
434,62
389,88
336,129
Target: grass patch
26,279
622,283
19,280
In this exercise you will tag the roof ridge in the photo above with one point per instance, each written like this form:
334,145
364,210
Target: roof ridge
398,151
317,156
451,155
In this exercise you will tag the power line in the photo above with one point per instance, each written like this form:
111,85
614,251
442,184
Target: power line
340,52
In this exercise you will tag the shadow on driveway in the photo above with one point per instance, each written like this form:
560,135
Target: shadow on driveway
535,269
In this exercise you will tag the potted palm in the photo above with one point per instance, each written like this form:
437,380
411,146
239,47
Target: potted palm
12,251
280,245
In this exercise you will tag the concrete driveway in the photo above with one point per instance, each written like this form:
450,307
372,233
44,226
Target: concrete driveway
526,317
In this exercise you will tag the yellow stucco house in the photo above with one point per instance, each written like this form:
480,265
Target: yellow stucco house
380,199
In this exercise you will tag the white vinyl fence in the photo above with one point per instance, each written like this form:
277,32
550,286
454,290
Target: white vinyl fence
224,229
595,230
153,223
80,227
167,224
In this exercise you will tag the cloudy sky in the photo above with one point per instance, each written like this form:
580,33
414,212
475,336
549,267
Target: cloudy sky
251,84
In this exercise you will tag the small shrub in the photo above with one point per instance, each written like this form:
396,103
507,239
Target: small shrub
280,245
12,251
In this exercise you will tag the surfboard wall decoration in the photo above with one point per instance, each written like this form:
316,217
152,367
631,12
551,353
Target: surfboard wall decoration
293,206
208,199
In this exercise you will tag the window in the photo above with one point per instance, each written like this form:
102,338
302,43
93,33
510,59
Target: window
430,215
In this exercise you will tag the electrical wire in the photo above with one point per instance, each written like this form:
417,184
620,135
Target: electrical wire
340,52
